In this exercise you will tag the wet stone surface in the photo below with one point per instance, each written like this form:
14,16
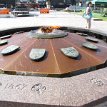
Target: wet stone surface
92,39
53,57
36,54
10,50
41,35
4,37
70,52
3,42
90,45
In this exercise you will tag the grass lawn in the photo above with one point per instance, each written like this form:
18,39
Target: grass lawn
98,15
95,15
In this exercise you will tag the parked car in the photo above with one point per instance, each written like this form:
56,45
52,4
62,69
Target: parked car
20,10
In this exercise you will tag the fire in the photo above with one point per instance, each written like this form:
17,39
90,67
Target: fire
49,29
55,27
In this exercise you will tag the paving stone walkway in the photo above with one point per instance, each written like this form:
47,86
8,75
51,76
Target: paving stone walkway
86,90
53,18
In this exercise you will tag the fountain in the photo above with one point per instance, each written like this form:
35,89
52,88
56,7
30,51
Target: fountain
50,51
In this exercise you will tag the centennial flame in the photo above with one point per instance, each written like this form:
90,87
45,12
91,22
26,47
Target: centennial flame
49,29
55,27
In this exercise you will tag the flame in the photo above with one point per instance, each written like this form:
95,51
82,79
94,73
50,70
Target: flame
49,29
55,27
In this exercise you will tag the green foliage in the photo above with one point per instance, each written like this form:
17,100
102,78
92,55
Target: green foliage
95,15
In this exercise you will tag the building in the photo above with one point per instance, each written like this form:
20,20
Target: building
62,3
53,3
7,3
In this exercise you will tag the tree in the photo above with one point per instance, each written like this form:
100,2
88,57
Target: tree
73,2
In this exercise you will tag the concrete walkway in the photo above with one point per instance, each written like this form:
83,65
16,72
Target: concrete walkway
53,18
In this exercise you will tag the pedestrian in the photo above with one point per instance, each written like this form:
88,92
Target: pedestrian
80,4
88,15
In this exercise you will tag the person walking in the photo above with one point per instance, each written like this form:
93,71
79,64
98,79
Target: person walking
88,15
